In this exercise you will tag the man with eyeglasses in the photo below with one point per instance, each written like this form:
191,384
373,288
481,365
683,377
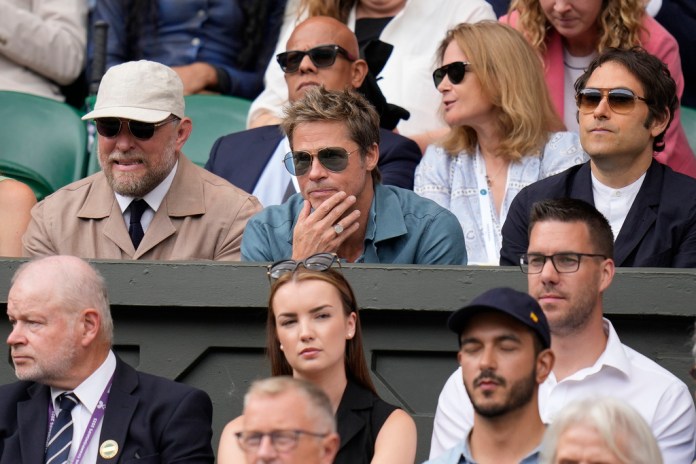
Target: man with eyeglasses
288,421
569,266
320,51
149,201
626,101
343,208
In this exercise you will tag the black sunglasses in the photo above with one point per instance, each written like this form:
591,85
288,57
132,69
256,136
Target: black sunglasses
317,262
322,56
335,159
111,127
621,101
454,71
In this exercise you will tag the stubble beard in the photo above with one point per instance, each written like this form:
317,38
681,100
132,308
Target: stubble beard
520,394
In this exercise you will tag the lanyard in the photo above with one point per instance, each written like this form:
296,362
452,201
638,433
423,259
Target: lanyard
97,416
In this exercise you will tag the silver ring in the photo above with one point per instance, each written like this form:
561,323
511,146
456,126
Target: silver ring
338,228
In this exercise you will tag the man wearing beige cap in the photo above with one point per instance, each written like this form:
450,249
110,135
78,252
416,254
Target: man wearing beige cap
149,201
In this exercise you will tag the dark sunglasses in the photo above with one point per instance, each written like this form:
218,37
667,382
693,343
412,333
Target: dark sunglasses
621,101
111,127
335,159
322,56
454,71
318,262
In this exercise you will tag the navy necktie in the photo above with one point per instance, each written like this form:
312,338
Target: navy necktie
135,229
61,434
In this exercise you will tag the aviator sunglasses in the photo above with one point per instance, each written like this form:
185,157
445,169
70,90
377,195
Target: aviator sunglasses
322,56
317,262
335,159
111,127
621,101
454,71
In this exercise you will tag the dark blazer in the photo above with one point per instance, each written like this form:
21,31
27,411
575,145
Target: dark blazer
241,157
359,418
159,420
659,230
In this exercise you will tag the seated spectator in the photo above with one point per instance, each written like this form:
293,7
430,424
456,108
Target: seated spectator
42,45
605,430
626,100
569,35
504,353
16,201
149,201
342,206
569,267
252,159
314,334
220,46
504,132
297,418
76,400
412,27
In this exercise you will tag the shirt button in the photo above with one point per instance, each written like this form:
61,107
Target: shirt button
196,41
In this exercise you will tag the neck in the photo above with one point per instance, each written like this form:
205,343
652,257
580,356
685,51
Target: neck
583,45
331,383
618,173
367,11
354,245
508,438
85,367
579,349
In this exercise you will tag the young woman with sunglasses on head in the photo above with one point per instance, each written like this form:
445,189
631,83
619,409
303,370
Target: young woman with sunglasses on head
569,34
504,132
313,333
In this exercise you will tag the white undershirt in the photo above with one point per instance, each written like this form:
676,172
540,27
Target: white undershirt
153,198
88,392
574,67
615,203
274,179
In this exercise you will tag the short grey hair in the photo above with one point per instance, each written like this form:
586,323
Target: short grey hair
320,409
622,428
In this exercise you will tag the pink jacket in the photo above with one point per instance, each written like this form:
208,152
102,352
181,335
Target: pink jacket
657,41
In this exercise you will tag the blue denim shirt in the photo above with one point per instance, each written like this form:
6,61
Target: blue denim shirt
402,228
210,31
461,454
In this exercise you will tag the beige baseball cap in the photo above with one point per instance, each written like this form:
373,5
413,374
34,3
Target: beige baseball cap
140,90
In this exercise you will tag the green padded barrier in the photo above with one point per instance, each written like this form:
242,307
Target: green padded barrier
42,142
688,120
213,116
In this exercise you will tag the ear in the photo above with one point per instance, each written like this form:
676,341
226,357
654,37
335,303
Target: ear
607,271
357,73
183,131
372,157
350,325
544,365
659,125
329,448
89,326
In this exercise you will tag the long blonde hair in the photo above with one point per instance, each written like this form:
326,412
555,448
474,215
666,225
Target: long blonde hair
620,23
512,76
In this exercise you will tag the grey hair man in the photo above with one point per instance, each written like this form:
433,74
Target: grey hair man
76,399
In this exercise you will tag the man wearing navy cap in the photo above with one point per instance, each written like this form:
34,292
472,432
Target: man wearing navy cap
504,353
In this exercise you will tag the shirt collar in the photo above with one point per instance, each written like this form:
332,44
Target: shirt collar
89,392
154,197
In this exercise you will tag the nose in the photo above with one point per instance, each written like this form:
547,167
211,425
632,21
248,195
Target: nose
549,272
487,361
317,171
266,451
306,65
602,111
562,6
124,139
16,337
306,331
445,85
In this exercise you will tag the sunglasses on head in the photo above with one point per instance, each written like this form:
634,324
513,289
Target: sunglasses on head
454,71
621,101
322,57
317,262
335,159
111,127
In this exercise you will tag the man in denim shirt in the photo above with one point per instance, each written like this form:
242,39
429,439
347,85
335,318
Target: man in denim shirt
342,206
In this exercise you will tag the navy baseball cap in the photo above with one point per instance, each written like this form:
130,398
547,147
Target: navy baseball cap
519,305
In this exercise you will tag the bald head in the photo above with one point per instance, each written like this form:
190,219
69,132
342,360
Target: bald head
342,74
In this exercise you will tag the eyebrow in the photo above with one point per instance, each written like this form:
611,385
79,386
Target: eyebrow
501,338
311,311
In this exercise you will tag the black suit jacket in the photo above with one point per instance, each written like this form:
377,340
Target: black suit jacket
159,420
659,230
241,157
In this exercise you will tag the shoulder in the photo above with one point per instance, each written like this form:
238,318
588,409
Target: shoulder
15,191
222,192
562,151
411,203
655,38
14,392
163,390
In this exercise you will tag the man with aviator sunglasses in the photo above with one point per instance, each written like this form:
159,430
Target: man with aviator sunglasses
149,201
321,51
626,100
343,207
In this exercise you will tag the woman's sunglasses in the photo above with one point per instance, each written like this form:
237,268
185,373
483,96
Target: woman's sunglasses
621,101
111,127
299,162
454,71
318,262
322,57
